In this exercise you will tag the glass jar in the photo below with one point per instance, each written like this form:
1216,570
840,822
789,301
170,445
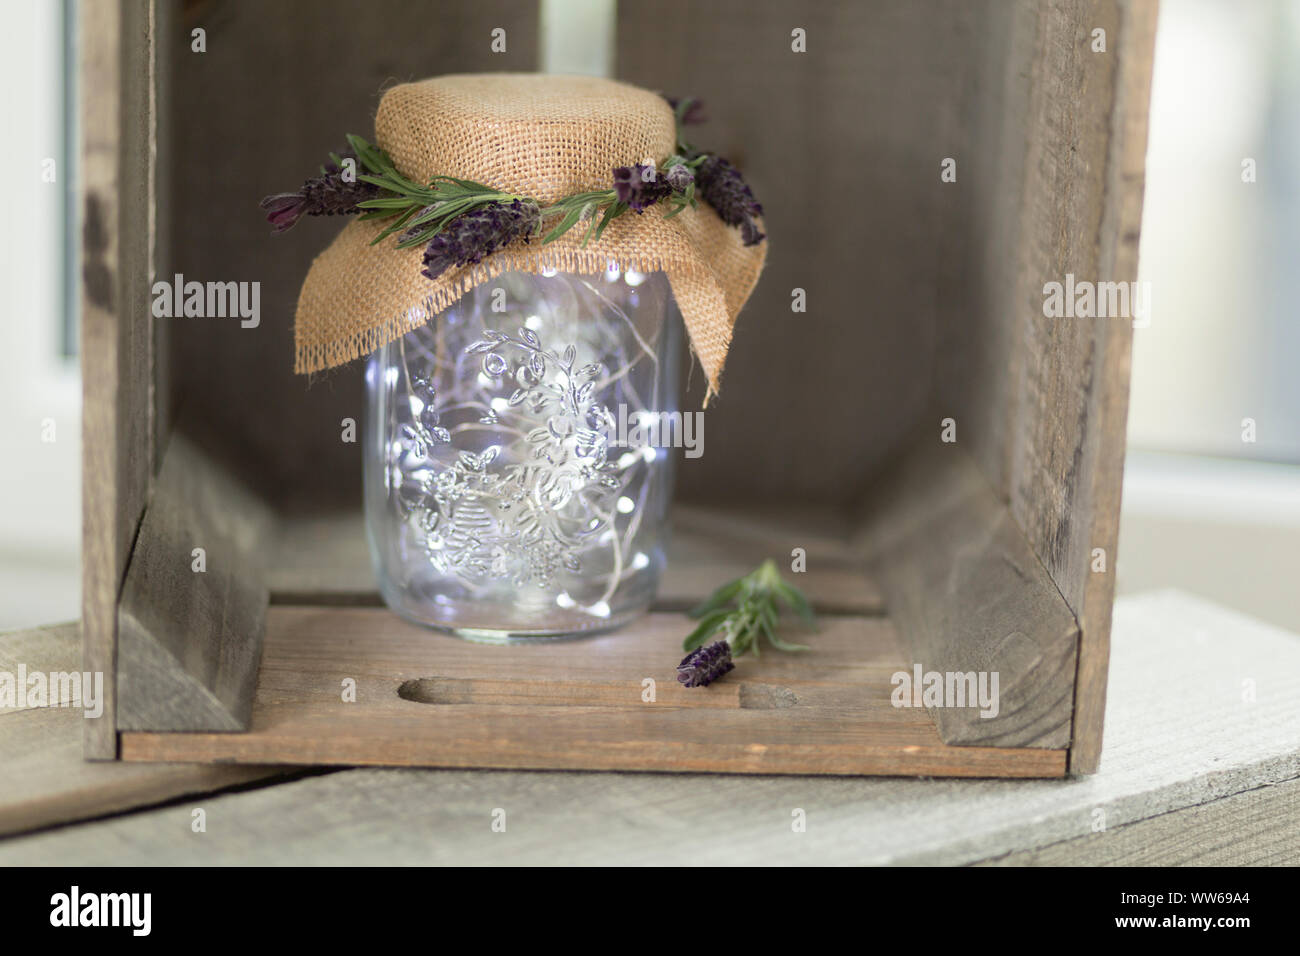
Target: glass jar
509,494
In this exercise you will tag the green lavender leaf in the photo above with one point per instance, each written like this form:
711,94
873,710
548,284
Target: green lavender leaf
565,224
747,609
612,212
703,630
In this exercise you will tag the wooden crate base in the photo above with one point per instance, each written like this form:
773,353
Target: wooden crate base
424,698
428,699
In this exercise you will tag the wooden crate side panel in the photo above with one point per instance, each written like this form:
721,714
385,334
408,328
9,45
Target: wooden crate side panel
192,613
116,208
1120,233
1081,216
969,596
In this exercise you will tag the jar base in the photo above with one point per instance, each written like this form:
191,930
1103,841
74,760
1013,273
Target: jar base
573,628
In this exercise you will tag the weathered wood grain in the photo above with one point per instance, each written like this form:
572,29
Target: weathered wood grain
533,706
189,640
967,593
45,780
1185,740
1255,828
1118,259
1056,183
116,209
1050,165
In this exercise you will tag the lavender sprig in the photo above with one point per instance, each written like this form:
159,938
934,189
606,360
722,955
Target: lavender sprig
742,610
328,194
460,222
701,667
472,236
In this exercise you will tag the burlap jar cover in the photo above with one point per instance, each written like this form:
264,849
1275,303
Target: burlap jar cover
544,137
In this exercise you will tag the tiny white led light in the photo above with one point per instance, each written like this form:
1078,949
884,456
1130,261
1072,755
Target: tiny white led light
500,404
625,505
640,561
632,277
534,322
599,609
563,600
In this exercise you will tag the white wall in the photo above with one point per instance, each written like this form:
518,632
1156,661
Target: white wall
40,488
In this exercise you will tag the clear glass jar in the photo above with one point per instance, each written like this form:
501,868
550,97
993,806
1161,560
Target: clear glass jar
509,495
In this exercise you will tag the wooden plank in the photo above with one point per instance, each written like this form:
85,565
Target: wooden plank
1180,738
323,559
814,403
1255,828
826,711
116,208
46,781
1118,259
192,612
968,595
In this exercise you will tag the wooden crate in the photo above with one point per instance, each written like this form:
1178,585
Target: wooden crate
924,304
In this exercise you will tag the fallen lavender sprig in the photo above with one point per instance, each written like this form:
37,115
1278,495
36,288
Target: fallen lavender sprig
701,667
738,613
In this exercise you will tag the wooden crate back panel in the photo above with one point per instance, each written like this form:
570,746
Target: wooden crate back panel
979,303
279,86
843,144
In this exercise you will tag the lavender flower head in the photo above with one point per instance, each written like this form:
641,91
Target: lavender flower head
722,187
474,235
326,195
702,666
679,177
639,186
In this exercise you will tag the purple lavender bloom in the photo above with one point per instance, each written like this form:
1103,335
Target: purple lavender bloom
474,235
639,186
702,666
679,177
326,195
283,210
722,187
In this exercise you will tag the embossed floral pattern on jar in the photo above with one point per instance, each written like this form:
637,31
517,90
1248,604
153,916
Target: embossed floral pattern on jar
505,499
